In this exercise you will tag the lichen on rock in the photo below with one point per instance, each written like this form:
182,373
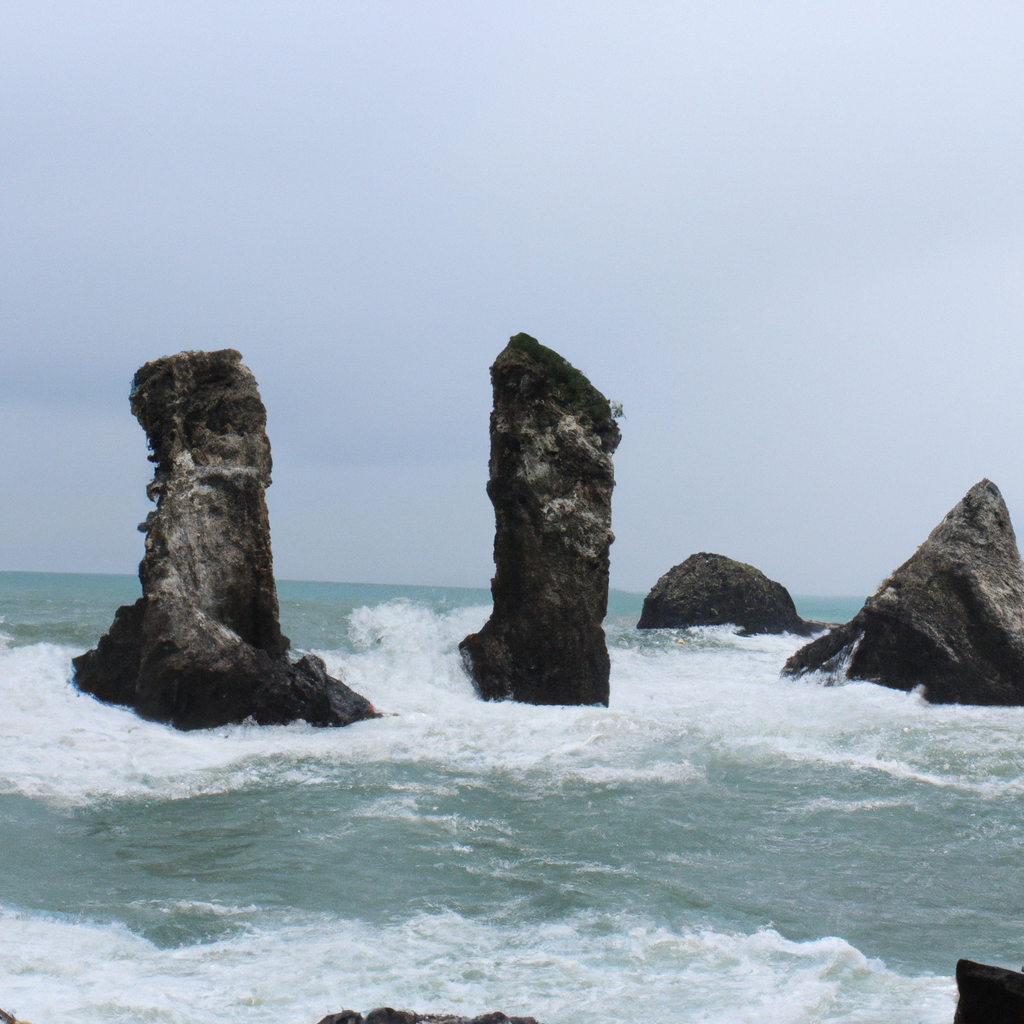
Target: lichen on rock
551,481
950,619
712,590
203,645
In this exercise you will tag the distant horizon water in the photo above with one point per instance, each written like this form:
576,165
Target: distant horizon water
125,588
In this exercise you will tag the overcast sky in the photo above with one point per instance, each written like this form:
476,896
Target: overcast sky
786,236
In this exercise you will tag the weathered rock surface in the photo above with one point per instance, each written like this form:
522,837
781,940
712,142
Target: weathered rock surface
712,590
988,995
950,619
551,480
203,646
386,1015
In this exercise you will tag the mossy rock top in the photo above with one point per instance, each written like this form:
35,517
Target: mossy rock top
566,385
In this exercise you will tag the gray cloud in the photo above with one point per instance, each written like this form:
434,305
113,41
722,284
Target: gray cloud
786,236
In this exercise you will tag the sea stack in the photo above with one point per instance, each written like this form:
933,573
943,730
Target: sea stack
712,590
203,646
552,439
950,619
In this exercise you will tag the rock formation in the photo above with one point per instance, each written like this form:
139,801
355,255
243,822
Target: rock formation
988,995
950,619
203,647
386,1015
712,590
551,480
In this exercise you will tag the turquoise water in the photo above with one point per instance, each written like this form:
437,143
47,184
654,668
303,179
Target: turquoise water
76,609
720,844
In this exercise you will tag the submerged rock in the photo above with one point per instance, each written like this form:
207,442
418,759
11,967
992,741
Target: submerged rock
386,1015
203,646
988,995
950,619
712,590
551,480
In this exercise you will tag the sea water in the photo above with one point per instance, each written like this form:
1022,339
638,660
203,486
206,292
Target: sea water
720,844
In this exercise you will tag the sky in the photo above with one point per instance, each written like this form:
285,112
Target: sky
786,236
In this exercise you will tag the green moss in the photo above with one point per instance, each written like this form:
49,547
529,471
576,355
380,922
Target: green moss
741,566
569,387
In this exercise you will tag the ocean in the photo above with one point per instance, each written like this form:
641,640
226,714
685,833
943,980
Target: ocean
718,845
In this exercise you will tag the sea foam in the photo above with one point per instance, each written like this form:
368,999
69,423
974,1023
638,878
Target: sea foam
581,864
677,697
592,969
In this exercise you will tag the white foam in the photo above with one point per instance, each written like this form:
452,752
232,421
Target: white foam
598,970
673,705
679,701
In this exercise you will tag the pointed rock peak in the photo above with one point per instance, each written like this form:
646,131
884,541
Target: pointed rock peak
980,517
950,619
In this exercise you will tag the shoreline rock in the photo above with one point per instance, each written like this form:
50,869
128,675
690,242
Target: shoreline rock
950,619
712,590
203,646
551,480
388,1015
988,995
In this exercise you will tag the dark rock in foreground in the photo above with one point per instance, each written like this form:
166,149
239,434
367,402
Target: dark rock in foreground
988,995
950,619
551,480
386,1015
203,647
712,590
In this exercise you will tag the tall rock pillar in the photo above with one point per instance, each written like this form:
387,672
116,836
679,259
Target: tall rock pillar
551,480
203,646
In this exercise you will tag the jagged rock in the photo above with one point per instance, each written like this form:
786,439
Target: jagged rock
988,995
712,590
950,619
551,480
203,646
386,1015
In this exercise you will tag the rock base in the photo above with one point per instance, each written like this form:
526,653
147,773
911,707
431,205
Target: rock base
198,675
